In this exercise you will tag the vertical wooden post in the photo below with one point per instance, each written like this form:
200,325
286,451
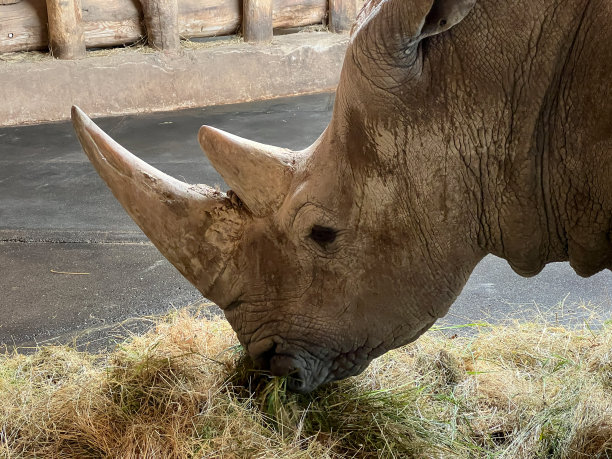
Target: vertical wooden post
257,20
161,21
66,39
342,14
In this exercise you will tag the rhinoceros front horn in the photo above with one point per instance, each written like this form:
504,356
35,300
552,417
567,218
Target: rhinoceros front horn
259,174
194,226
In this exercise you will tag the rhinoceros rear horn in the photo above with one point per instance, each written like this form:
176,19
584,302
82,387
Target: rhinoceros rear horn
259,174
194,226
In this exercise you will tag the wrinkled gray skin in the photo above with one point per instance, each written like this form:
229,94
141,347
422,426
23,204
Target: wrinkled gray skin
461,128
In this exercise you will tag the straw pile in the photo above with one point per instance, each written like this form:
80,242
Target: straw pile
185,390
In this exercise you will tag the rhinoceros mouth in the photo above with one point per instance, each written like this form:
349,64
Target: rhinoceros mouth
303,370
266,357
306,372
308,365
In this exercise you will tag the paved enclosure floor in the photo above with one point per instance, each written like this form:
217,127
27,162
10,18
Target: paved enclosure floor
57,218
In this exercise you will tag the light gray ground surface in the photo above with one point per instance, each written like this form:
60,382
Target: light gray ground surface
57,217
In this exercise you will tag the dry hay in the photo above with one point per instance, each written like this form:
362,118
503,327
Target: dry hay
184,390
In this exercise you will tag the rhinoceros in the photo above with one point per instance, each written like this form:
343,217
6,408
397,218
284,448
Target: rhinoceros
460,129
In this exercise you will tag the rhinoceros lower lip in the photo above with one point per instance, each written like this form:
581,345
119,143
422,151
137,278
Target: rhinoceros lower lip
289,367
266,357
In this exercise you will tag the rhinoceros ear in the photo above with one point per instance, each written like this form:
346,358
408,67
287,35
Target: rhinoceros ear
259,174
445,14
391,29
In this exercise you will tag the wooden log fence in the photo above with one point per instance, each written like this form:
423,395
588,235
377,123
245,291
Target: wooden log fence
161,21
342,14
67,27
257,23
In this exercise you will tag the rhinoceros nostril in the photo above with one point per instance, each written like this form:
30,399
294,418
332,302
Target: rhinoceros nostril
262,352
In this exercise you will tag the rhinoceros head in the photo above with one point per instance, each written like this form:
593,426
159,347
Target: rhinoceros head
326,258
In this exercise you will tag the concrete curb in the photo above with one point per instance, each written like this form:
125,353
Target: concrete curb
131,81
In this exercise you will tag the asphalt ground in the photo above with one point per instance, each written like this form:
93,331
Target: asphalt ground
75,268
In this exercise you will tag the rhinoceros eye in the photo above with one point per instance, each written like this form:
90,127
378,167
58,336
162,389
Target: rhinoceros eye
323,235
